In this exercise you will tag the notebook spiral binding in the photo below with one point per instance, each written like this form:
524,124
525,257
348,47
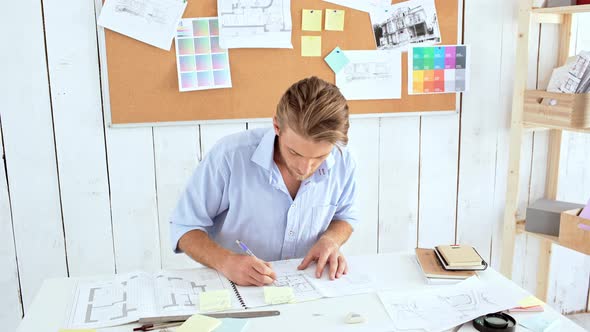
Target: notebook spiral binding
238,295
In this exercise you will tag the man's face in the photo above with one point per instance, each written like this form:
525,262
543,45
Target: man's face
300,156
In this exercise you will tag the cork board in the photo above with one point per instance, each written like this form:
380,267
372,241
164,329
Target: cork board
143,83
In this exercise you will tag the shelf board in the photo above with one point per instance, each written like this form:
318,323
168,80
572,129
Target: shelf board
530,125
562,10
520,230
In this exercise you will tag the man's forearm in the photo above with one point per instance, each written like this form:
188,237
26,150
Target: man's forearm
339,231
202,249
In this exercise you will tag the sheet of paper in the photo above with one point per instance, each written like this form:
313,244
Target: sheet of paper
214,300
311,20
278,295
334,20
254,24
540,323
150,21
530,301
444,308
199,323
232,325
200,61
364,5
336,60
438,69
371,75
391,28
586,212
311,46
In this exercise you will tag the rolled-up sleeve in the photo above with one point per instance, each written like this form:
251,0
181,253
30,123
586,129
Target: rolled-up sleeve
204,198
347,206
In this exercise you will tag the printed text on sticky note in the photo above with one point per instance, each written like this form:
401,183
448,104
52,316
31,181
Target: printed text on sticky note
214,300
278,295
311,20
311,46
337,60
334,19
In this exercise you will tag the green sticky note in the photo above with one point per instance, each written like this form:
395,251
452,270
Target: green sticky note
334,19
311,20
311,46
278,295
199,323
214,300
337,60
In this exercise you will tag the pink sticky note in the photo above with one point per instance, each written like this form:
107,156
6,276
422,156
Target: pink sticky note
586,212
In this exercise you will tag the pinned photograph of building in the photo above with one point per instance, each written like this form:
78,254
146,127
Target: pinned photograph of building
410,22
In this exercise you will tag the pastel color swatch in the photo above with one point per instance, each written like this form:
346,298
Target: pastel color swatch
311,46
438,69
334,20
337,60
201,62
311,20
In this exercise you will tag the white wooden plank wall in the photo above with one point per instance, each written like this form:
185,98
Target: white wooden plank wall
422,180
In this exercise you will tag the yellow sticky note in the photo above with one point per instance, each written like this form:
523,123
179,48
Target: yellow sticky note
530,301
311,46
334,19
199,323
311,20
214,300
278,295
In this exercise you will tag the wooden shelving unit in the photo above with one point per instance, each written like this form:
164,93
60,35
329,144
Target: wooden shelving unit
526,15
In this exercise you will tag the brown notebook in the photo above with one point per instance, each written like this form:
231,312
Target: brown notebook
432,268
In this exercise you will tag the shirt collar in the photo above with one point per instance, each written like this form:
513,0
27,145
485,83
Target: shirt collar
264,153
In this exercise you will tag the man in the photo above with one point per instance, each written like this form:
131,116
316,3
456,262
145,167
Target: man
287,192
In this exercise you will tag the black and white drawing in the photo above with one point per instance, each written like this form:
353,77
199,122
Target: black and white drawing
409,22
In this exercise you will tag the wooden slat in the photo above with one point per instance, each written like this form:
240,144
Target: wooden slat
438,180
176,152
480,122
399,164
543,269
11,310
548,18
564,38
570,271
562,10
553,157
70,34
133,197
363,135
515,139
260,124
575,157
31,167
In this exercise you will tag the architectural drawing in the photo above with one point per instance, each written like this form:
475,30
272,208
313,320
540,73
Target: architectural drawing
410,22
368,71
254,23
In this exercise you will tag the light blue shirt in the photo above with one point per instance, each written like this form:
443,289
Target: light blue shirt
238,192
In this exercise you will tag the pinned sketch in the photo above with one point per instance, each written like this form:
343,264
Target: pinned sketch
371,75
444,308
254,24
201,62
438,69
402,24
362,5
150,21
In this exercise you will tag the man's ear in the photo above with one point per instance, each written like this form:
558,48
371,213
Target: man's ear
275,124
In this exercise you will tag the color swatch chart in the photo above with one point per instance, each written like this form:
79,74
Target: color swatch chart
201,62
438,69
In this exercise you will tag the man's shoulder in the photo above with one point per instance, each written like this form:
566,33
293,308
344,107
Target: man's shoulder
241,143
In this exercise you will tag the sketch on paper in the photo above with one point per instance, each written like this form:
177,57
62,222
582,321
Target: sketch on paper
254,23
150,21
371,75
409,22
442,309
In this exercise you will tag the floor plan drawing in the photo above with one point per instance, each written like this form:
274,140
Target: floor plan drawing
254,23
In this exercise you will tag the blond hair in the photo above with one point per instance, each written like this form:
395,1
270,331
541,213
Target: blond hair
315,109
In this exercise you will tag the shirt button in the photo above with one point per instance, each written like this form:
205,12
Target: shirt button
291,233
294,205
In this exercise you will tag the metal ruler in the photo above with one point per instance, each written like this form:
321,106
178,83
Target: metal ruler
239,314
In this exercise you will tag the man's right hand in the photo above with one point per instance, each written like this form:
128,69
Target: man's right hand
247,270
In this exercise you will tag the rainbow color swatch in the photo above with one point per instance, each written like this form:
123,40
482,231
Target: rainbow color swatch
438,69
201,62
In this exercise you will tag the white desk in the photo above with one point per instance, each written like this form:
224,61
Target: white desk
50,305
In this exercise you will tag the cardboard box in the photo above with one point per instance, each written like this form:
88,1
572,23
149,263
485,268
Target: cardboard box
574,232
543,216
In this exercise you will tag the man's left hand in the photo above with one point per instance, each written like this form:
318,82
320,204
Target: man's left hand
326,252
